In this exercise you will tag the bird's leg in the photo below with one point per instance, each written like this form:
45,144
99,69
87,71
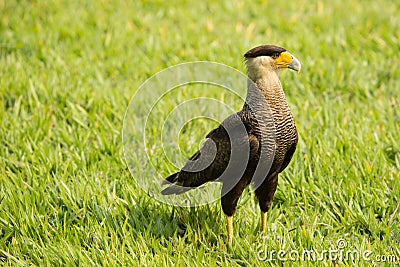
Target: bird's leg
265,194
263,221
229,226
229,200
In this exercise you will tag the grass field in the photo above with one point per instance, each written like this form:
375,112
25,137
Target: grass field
69,69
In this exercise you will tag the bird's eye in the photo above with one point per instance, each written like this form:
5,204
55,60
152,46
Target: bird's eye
275,55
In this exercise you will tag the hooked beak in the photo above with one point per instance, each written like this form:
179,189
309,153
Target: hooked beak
295,65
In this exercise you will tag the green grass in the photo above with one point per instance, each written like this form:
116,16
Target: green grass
67,73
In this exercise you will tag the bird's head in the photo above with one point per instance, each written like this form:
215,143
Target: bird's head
267,58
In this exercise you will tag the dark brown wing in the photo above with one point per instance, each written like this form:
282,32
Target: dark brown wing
213,161
289,153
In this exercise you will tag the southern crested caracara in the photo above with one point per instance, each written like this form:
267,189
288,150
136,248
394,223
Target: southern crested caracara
262,64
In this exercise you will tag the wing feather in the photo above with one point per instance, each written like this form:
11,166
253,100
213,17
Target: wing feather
213,158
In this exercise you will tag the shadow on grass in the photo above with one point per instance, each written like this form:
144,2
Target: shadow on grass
148,218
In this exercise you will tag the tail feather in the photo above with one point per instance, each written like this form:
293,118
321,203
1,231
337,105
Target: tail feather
170,179
173,187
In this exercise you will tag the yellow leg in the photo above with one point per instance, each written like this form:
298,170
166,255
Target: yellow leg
229,228
263,221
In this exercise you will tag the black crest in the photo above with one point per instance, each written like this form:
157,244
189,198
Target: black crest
264,50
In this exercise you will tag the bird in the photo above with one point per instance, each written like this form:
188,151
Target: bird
262,134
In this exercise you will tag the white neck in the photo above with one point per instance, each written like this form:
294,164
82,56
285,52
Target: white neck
263,72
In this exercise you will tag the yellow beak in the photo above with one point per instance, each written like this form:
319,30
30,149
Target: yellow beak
287,60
